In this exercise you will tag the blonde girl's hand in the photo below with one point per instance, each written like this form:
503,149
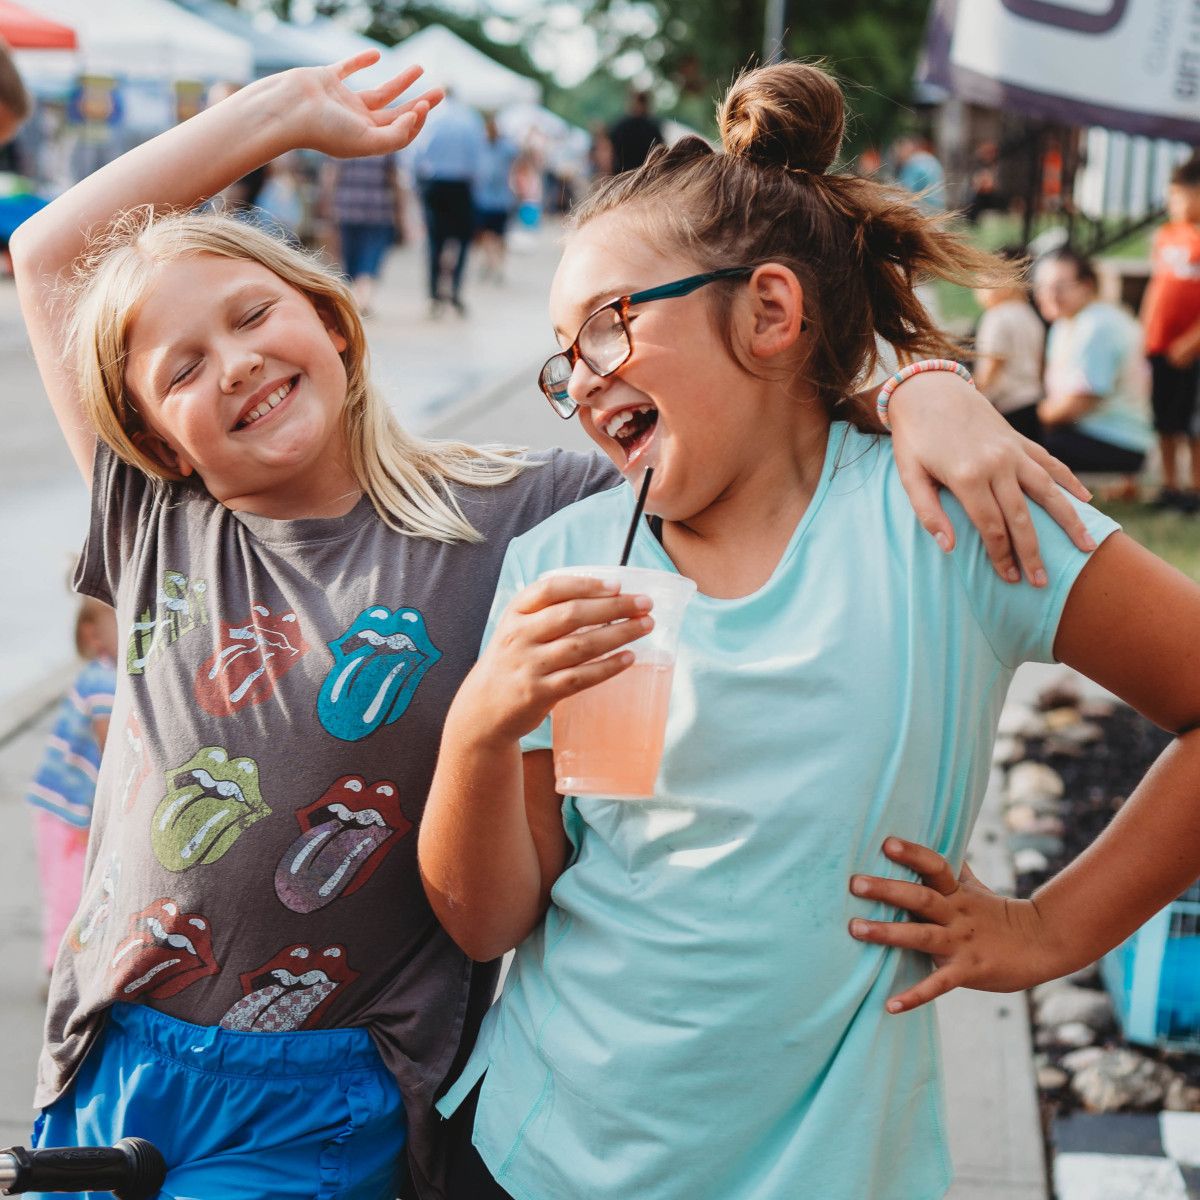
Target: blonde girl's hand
976,938
951,436
556,638
333,118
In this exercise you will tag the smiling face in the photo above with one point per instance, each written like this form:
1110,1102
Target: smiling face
239,380
682,403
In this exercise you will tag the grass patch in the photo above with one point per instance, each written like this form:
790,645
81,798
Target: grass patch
1171,535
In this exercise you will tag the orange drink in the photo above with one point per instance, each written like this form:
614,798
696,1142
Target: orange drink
608,739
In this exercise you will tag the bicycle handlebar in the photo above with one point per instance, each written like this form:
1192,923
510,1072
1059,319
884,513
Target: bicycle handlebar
133,1169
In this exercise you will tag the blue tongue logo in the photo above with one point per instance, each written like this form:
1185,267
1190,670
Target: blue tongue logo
378,664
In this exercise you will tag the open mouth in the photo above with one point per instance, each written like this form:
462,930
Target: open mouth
632,429
289,992
164,952
267,405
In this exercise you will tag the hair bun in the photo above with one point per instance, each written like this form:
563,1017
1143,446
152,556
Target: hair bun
786,115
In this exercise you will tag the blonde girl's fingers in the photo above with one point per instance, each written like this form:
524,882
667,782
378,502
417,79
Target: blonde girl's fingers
988,518
385,93
576,679
1056,469
1021,532
922,492
936,984
933,869
356,62
1039,487
924,903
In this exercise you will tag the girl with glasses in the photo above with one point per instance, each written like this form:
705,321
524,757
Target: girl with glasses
687,1016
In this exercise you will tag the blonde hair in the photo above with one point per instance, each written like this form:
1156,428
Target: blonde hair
858,248
406,477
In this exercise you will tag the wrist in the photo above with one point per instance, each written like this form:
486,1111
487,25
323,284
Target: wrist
932,379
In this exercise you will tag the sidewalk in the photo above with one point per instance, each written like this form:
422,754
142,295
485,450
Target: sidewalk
474,380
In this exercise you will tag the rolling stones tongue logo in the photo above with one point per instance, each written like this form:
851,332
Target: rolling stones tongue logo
377,664
165,951
291,991
98,906
251,657
211,800
135,764
344,837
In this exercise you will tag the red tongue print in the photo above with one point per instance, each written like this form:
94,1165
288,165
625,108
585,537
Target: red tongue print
135,764
291,991
251,656
344,837
164,952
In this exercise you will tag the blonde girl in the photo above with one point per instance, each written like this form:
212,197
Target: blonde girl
255,979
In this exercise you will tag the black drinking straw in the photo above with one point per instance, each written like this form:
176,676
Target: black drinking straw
637,516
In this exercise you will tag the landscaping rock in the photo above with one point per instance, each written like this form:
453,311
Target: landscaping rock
1077,1060
1029,782
1059,719
1021,818
1063,692
1122,1079
1030,862
1076,1004
1007,751
1049,1078
1075,1033
1182,1096
1019,720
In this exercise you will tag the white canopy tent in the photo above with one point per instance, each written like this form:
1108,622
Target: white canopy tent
451,62
138,40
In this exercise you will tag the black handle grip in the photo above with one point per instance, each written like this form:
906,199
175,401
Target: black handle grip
133,1169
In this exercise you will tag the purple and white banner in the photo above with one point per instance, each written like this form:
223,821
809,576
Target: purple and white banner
1129,65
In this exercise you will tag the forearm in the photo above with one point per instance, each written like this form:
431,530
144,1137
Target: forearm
179,168
1065,410
477,854
1148,855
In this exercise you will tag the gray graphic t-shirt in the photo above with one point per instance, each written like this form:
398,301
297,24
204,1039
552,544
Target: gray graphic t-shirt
279,703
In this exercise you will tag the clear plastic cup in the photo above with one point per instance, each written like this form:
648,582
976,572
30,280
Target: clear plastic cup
608,739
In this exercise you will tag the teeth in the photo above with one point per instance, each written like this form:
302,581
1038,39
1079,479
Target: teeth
265,406
621,419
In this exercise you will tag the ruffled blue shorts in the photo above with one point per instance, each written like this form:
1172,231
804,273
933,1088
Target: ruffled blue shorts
238,1116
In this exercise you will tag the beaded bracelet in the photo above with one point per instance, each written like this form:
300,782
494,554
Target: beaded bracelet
917,368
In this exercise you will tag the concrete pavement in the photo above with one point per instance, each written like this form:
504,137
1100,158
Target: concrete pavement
472,379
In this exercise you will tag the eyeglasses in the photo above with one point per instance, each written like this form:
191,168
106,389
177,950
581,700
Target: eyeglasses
604,340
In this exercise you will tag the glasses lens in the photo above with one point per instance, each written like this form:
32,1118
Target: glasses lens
603,342
555,376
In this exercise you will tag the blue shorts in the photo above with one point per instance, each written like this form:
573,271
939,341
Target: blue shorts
238,1116
364,247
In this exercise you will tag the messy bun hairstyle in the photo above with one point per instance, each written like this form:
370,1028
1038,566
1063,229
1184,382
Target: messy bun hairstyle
859,248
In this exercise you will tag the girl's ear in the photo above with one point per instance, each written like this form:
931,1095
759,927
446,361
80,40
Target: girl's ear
776,311
328,316
156,447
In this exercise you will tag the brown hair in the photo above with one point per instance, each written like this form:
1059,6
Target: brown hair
90,611
857,247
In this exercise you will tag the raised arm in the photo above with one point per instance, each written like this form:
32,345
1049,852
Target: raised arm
310,107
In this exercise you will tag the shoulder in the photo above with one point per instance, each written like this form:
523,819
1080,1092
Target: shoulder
578,533
551,480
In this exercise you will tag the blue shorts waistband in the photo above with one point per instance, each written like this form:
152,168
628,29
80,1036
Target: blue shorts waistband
210,1048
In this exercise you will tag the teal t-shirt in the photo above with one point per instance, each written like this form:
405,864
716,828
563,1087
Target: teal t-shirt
692,1020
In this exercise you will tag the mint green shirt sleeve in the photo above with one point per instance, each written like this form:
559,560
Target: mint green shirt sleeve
1019,621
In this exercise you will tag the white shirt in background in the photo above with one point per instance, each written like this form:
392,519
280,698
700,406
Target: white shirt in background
1013,333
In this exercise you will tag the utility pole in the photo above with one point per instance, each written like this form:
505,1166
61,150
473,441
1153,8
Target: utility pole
773,31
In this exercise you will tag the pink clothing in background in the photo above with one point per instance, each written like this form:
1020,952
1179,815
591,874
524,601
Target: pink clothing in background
61,848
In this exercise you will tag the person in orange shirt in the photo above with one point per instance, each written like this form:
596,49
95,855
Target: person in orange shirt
1171,320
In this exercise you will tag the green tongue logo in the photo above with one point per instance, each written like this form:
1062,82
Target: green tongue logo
211,799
